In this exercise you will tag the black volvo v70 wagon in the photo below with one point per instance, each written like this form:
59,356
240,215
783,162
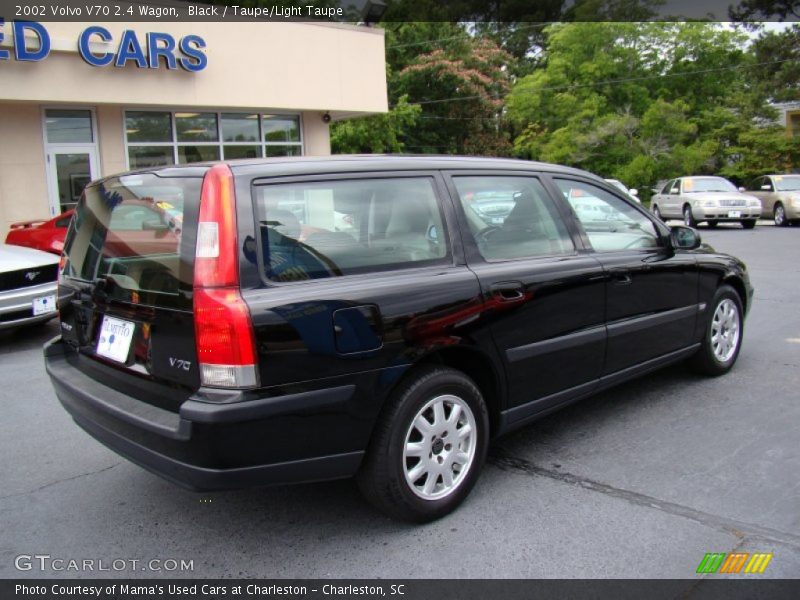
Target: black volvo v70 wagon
288,320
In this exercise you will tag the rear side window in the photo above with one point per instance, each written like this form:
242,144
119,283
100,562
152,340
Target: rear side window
512,217
129,232
313,230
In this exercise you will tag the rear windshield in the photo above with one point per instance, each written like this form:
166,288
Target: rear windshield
133,237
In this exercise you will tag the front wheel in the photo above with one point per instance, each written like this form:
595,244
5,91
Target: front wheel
722,338
780,216
688,217
428,447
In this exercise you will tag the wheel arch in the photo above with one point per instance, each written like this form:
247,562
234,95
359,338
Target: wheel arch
737,284
479,367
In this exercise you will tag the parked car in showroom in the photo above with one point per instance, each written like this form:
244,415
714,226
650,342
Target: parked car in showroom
633,193
780,198
705,199
27,286
394,352
47,236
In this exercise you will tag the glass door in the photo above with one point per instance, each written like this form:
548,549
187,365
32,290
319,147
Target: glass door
70,169
71,148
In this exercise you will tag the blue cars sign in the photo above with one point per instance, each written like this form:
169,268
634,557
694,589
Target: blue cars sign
155,50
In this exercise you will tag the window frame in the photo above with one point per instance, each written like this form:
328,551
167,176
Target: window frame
220,143
471,249
662,231
453,245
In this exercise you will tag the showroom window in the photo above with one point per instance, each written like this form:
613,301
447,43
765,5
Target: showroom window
156,138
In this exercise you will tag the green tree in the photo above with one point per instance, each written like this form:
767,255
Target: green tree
461,87
646,101
381,133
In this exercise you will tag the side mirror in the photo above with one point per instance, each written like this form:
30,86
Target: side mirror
766,188
741,189
684,238
633,192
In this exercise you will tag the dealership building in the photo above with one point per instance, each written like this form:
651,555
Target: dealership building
80,101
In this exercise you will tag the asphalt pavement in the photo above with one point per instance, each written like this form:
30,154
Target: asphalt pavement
640,481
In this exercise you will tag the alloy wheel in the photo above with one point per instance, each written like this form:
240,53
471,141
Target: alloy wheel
439,447
725,330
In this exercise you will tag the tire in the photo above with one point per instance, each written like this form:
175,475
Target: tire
688,217
780,216
657,213
392,480
712,224
749,224
717,356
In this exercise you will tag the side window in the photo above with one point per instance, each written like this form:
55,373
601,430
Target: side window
766,182
668,187
512,217
320,229
611,223
676,187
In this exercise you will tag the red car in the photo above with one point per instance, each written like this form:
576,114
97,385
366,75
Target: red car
41,235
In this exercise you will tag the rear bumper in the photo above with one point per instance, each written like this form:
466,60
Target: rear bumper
207,445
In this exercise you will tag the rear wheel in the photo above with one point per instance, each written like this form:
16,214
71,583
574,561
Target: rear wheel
688,217
722,338
428,447
749,224
780,216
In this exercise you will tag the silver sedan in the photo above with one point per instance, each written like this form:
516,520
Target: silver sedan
705,199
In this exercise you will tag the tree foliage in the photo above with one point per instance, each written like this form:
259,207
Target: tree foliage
648,101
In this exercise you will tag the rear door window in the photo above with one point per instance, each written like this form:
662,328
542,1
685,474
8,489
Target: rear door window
130,234
313,230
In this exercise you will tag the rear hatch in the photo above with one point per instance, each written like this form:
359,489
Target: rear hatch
126,287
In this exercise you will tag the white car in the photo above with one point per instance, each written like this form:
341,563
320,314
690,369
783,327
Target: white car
632,193
705,199
28,280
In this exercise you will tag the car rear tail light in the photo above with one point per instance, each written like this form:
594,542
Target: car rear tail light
223,328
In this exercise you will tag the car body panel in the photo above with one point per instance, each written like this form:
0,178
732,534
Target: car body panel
47,236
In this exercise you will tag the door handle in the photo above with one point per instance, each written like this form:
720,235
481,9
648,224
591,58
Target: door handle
621,277
508,291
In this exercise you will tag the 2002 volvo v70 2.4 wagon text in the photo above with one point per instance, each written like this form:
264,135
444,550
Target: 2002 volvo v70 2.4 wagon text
290,320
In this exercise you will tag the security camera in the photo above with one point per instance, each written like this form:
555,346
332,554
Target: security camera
326,118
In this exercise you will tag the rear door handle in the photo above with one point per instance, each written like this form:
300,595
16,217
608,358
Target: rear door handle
621,277
508,291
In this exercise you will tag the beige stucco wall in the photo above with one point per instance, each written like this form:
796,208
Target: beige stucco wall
304,68
23,185
287,66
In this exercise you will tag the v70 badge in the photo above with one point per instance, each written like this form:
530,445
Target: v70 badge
177,363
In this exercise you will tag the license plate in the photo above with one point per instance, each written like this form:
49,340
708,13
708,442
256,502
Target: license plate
44,304
734,214
114,340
